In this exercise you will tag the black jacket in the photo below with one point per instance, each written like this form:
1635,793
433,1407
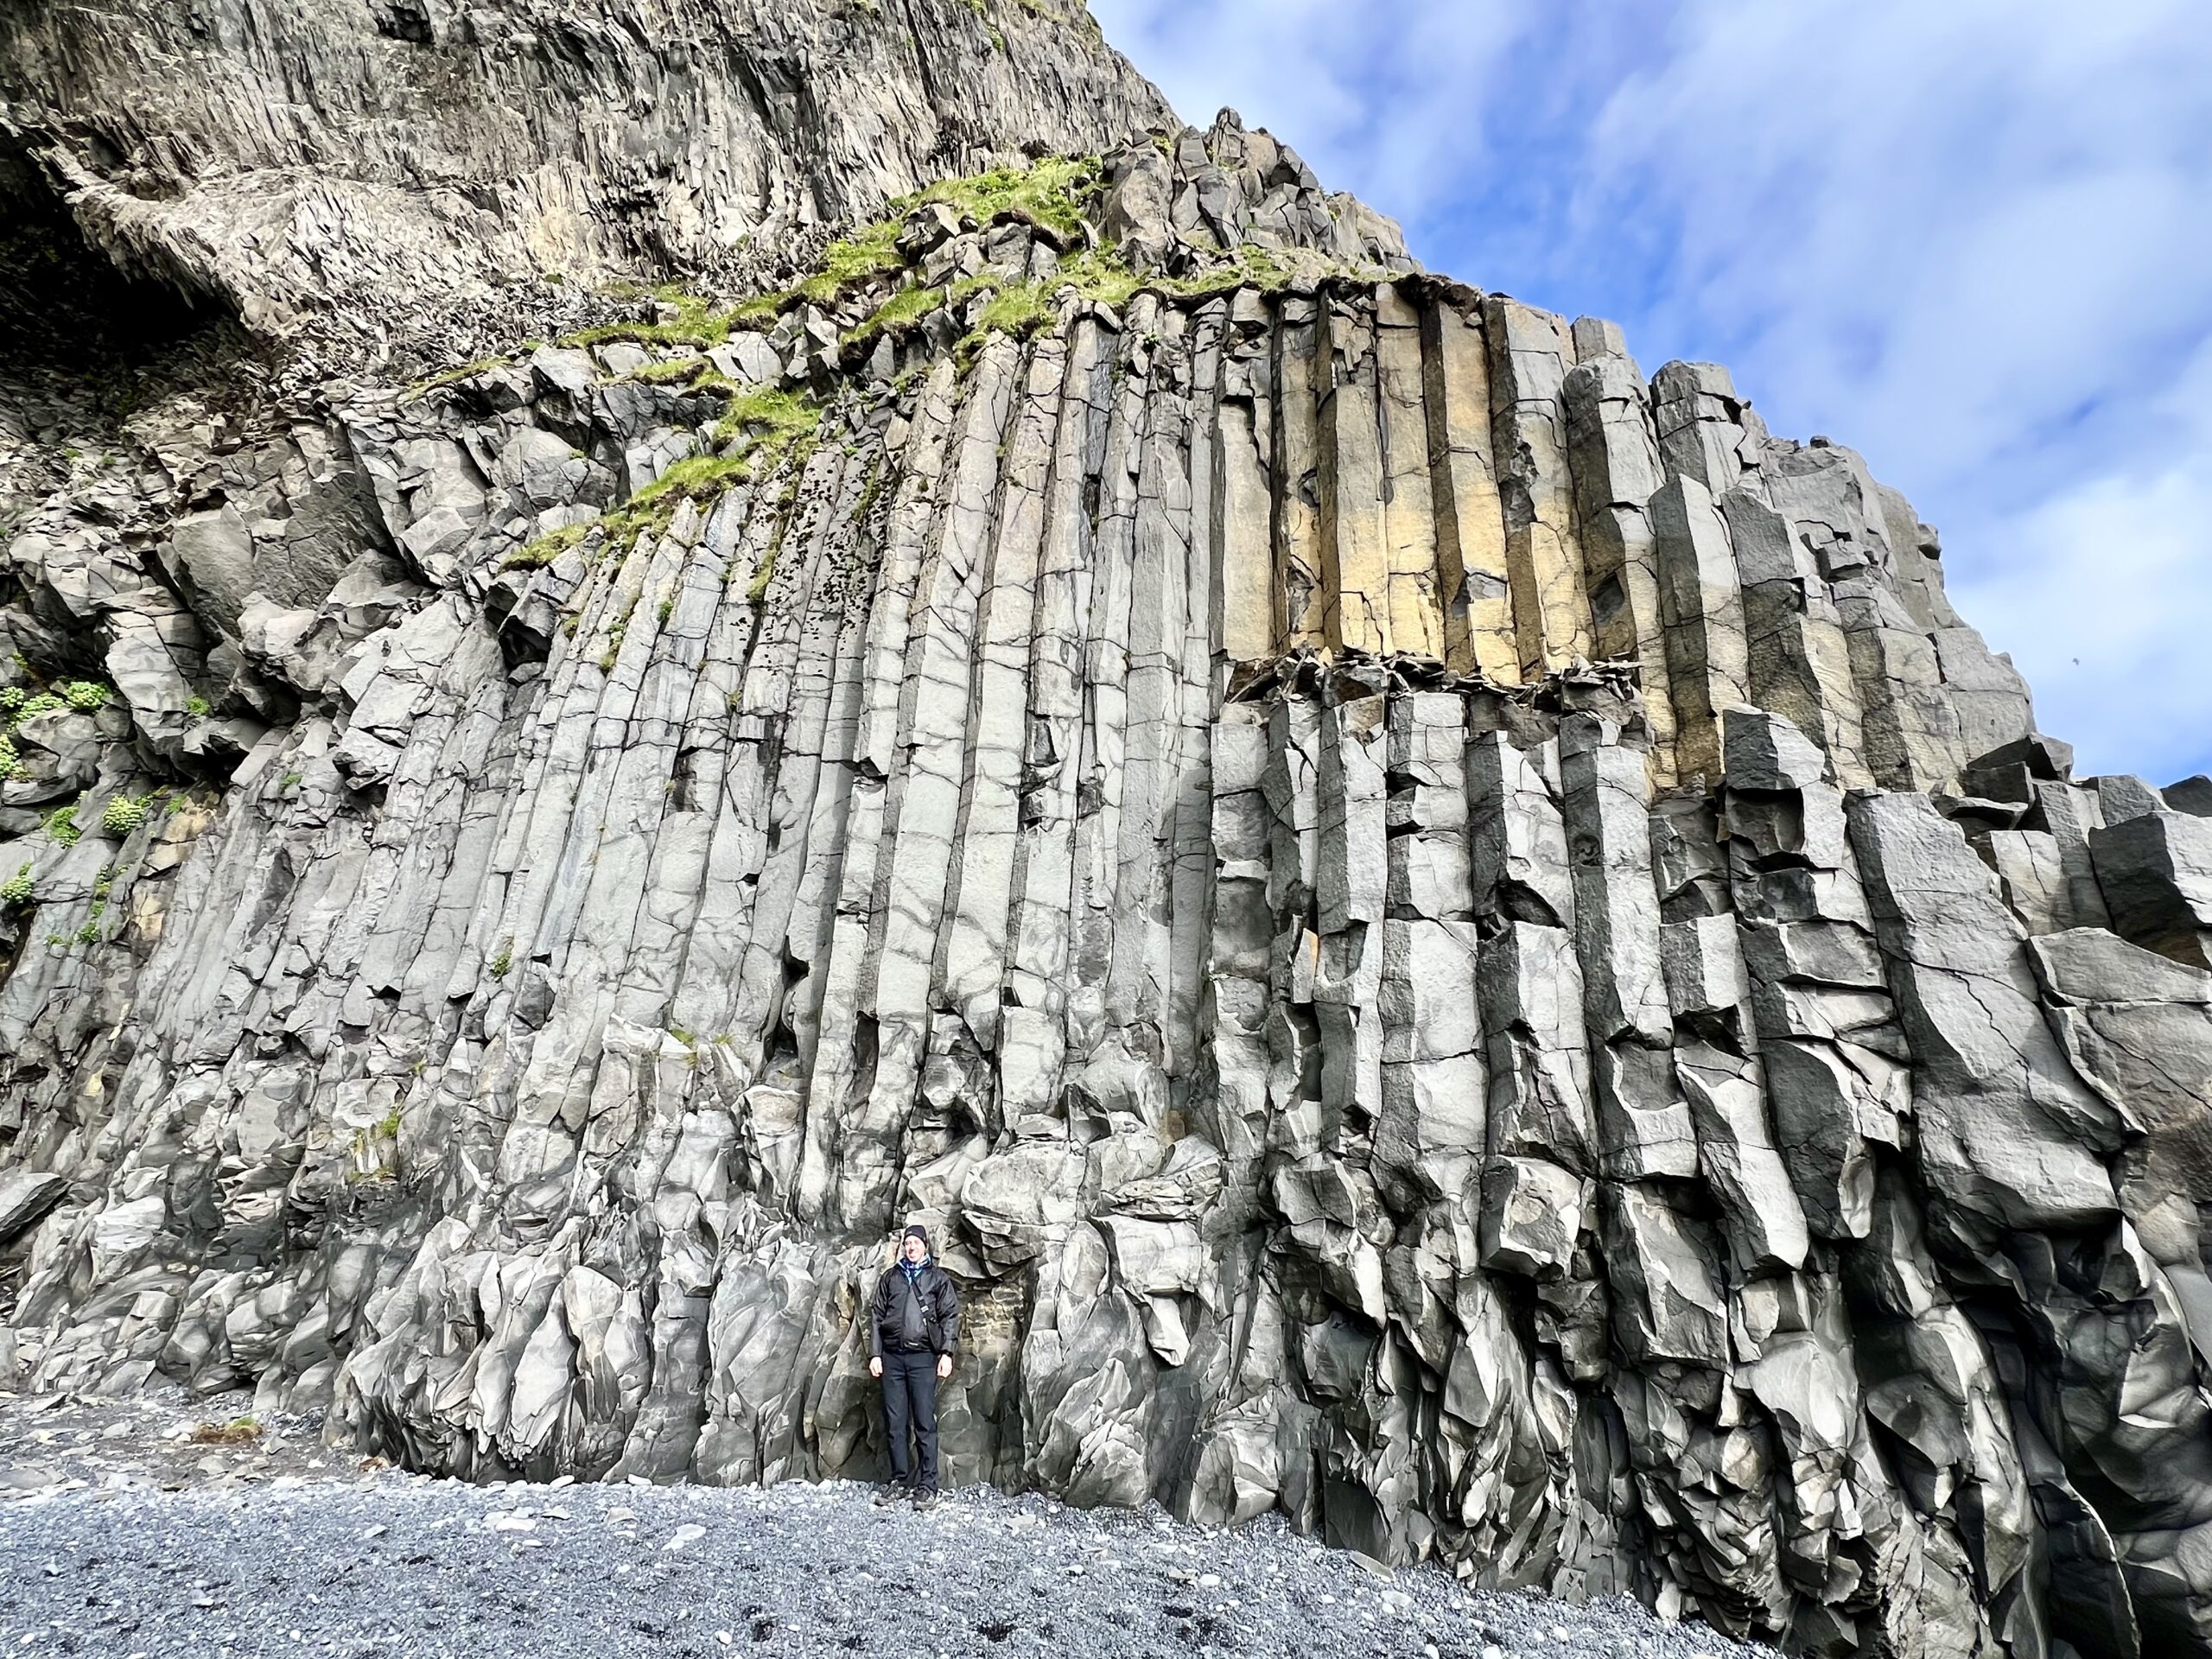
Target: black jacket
924,1318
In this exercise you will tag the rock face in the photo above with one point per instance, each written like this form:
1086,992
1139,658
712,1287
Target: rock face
1454,941
391,154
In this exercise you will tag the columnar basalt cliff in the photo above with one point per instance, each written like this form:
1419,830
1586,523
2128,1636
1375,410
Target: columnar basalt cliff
1452,941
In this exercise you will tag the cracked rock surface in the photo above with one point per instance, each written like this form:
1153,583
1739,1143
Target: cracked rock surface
1458,944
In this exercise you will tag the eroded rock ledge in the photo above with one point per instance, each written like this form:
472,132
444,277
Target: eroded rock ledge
1456,942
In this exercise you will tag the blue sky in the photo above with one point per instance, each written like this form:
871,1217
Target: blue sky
1971,238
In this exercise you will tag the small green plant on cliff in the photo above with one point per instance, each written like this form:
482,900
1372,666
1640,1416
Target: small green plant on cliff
17,888
1018,311
768,416
696,323
1051,194
758,429
867,252
678,371
196,707
125,814
17,705
614,637
454,377
903,309
61,825
991,29
545,548
504,961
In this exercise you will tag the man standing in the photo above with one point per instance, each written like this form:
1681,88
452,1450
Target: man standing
913,1329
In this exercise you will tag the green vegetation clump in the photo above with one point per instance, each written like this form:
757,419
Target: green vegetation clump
1019,310
770,416
991,29
17,705
504,961
17,888
61,825
45,702
1103,276
905,307
1249,266
544,550
677,372
125,814
868,251
90,932
696,323
196,707
453,377
762,426
1051,195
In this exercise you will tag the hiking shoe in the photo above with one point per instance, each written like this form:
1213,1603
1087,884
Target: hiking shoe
925,1497
893,1491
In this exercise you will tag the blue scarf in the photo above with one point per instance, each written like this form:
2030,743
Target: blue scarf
913,1269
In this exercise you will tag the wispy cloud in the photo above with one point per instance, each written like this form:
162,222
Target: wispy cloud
2103,590
1972,239
1374,95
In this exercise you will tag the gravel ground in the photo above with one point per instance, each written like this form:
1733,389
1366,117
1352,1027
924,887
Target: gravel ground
238,1561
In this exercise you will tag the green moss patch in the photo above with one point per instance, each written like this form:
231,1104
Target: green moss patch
762,426
1051,195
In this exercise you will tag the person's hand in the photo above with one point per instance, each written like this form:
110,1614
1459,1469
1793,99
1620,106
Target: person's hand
944,1364
875,1365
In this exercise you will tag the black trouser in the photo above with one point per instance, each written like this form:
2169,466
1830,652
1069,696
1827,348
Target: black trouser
910,1391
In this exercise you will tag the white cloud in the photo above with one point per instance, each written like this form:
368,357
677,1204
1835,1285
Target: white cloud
1943,229
1972,240
2103,591
1374,96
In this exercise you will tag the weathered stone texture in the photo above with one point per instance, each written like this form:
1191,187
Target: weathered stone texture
1452,942
284,154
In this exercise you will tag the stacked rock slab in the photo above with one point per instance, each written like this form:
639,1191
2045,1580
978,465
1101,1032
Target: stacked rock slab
1452,942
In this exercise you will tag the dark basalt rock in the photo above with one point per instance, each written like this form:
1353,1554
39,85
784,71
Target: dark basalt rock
1452,941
